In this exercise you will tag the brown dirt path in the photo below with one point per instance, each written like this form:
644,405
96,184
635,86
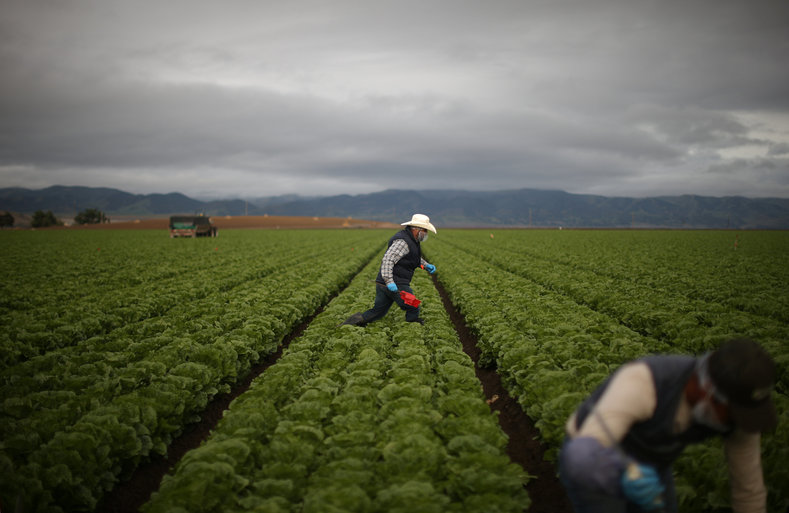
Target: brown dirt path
237,222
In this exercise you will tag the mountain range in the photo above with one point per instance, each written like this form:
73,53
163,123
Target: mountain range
447,208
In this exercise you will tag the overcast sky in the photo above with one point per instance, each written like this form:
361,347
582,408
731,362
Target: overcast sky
249,98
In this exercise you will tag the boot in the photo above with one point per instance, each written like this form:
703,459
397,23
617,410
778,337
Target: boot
354,320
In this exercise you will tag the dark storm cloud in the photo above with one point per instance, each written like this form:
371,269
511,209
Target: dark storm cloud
253,98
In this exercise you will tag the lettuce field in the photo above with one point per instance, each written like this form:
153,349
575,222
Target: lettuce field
115,344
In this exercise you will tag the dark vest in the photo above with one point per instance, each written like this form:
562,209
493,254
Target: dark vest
653,440
403,270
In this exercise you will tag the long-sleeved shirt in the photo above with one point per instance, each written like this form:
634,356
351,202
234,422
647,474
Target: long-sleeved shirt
631,397
396,251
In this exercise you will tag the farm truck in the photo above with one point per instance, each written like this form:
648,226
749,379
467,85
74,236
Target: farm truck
192,226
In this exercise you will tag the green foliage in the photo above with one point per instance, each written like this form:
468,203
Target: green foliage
383,418
557,312
104,366
91,216
6,220
114,342
43,219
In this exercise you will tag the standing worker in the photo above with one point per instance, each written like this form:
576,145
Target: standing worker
623,439
402,257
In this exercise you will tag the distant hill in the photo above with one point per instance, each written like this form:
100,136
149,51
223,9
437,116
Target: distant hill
545,208
447,208
61,199
67,201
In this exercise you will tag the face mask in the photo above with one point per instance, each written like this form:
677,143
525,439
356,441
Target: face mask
704,411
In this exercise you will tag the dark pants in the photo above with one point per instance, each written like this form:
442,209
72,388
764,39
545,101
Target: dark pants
383,301
592,501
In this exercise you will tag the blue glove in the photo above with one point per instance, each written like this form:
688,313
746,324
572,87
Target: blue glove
392,287
641,485
430,268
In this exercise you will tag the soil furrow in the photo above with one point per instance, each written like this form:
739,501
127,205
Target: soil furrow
128,496
545,491
523,448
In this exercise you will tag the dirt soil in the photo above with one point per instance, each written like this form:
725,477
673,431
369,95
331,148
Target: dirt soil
233,222
523,448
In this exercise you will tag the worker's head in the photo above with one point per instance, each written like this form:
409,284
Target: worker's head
419,225
419,234
737,381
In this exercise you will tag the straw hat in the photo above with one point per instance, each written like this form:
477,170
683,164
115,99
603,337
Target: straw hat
420,221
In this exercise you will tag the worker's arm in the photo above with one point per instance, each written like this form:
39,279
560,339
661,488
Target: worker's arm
629,398
396,251
427,266
590,458
743,454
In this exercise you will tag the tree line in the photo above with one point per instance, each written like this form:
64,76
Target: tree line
43,219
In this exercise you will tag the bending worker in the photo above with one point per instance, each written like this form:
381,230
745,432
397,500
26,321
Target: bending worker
622,441
402,257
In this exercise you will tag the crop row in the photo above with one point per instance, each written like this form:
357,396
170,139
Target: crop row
548,349
739,270
555,330
42,395
656,308
120,340
76,419
67,302
386,418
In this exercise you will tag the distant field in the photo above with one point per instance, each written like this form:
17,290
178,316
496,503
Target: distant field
114,342
231,222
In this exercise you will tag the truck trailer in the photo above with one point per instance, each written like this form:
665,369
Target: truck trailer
192,226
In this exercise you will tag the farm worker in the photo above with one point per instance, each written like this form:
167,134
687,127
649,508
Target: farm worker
402,257
623,439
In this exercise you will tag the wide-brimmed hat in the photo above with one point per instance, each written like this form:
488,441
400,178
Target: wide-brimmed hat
745,374
420,221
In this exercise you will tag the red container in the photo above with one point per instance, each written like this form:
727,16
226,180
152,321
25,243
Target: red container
409,299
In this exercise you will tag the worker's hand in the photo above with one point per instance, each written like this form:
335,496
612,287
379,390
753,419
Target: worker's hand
392,287
641,485
430,268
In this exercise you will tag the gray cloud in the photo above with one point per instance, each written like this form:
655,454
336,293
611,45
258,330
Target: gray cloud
247,98
776,149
